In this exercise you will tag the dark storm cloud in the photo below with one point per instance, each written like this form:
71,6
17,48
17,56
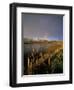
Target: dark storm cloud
36,25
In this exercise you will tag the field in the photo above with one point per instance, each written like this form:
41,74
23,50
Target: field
43,57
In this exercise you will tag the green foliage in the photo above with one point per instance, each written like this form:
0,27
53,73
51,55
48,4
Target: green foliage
57,62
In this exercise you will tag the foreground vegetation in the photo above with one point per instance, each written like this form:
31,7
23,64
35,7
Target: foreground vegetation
48,60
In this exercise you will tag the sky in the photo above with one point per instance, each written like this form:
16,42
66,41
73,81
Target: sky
43,26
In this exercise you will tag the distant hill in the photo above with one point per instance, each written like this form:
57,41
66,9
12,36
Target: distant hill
28,40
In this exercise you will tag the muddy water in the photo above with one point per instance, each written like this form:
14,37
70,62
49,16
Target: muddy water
37,47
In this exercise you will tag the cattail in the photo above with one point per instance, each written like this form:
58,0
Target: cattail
28,62
33,50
